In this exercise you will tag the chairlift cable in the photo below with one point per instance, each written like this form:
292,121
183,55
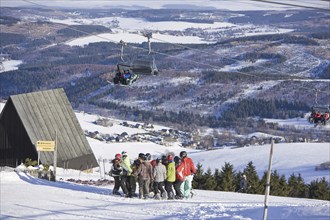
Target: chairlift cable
293,5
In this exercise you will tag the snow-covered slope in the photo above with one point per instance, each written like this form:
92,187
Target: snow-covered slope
24,197
288,158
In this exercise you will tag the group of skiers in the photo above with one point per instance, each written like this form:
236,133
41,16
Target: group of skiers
167,177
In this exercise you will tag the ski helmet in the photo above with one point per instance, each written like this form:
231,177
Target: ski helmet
118,156
148,156
141,156
183,154
177,160
124,153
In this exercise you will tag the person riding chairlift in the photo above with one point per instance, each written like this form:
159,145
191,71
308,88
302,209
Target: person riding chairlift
325,117
127,74
317,117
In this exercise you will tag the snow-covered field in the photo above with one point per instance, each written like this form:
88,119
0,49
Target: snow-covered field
9,65
25,197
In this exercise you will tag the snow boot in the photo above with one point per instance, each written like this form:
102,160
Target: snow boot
170,196
157,197
164,195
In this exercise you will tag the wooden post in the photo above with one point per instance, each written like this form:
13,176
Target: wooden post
268,179
104,172
38,158
100,159
55,156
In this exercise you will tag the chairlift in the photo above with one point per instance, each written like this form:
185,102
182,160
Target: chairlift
125,75
319,114
145,64
142,64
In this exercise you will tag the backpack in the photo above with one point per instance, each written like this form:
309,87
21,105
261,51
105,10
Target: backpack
115,172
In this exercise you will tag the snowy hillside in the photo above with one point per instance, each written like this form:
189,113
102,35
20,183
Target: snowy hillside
288,158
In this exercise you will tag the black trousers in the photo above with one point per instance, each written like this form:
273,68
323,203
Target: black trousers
169,189
158,186
125,184
117,184
177,185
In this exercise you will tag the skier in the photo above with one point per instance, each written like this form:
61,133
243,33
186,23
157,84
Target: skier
159,178
127,175
243,184
170,177
144,177
189,171
148,158
164,160
116,172
180,178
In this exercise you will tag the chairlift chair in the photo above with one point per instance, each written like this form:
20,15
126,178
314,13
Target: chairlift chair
144,65
323,110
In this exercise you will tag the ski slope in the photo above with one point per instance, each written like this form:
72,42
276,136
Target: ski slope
25,197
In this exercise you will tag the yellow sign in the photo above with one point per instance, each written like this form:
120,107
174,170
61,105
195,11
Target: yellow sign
45,145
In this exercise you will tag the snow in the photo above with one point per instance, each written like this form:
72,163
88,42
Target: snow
9,65
135,38
142,24
130,29
26,197
2,105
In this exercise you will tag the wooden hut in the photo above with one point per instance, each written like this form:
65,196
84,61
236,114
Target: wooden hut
43,116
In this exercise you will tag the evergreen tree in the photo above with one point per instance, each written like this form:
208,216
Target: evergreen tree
227,180
319,189
253,179
278,185
297,187
283,186
209,181
217,179
262,184
237,178
198,180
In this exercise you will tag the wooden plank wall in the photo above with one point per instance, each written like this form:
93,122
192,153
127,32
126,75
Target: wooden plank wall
48,112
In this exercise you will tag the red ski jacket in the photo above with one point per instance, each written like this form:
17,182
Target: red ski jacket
180,173
189,166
